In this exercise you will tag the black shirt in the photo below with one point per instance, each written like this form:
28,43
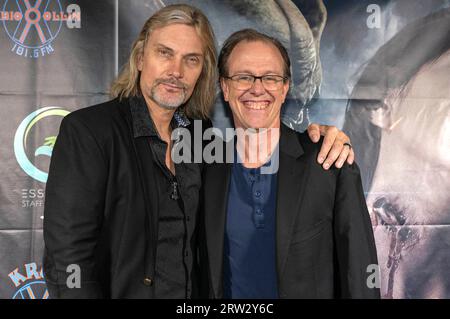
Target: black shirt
177,207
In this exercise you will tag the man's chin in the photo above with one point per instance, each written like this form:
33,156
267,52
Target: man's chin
257,126
169,104
254,128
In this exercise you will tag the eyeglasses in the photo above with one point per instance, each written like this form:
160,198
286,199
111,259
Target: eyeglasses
244,82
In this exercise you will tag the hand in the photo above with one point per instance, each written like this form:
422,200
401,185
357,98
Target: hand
333,149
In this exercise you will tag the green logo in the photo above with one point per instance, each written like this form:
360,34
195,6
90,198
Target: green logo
20,141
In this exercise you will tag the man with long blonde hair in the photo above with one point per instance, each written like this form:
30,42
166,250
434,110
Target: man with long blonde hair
120,215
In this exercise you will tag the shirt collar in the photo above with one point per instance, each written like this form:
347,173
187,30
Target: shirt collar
252,172
142,122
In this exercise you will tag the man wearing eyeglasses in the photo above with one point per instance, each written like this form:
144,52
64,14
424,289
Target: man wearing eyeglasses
276,225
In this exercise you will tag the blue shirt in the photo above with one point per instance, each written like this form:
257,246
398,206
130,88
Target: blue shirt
249,247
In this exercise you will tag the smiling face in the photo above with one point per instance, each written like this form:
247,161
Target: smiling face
256,107
170,65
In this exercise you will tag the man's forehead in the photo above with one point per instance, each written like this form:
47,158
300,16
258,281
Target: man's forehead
261,54
248,46
178,37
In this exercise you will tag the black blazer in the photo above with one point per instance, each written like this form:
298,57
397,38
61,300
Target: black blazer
324,238
101,207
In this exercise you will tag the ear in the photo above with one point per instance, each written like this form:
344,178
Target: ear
286,85
139,60
225,88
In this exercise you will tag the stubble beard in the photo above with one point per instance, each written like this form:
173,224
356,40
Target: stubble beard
168,101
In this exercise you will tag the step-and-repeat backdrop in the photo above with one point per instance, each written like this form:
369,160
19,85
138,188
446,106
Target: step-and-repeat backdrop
382,74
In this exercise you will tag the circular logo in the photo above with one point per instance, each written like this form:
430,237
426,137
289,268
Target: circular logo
32,290
34,25
21,136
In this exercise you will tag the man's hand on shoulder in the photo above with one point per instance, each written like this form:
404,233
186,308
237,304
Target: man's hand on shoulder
336,147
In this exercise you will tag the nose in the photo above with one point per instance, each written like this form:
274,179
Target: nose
176,68
257,87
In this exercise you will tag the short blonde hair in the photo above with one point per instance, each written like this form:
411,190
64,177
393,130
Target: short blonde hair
200,103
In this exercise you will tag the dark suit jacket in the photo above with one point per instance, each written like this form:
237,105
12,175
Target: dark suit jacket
101,207
324,238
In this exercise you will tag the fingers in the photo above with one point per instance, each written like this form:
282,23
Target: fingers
351,157
345,152
333,150
337,149
328,141
314,132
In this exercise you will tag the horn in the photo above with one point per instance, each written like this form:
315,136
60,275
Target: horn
306,21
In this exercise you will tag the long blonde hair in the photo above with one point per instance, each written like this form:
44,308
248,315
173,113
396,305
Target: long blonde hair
200,103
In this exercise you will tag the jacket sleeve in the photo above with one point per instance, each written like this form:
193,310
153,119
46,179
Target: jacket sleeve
355,244
73,213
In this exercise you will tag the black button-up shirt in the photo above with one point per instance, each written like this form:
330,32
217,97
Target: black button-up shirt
178,197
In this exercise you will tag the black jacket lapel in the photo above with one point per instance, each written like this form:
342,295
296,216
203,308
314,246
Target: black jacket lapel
145,164
218,177
292,180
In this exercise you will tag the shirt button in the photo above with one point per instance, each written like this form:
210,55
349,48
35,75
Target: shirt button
188,218
148,281
258,194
